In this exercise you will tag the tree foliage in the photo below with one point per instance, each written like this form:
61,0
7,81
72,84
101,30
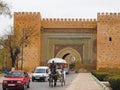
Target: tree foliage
4,9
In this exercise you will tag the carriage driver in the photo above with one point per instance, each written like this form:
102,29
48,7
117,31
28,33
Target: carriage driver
53,72
53,67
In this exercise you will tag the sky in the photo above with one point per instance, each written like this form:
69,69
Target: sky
86,9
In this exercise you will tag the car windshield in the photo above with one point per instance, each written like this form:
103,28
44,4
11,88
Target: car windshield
39,71
15,74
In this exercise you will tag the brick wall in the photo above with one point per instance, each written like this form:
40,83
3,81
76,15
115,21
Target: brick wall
108,41
28,24
108,36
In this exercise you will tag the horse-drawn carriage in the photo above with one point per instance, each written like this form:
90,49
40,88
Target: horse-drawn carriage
59,75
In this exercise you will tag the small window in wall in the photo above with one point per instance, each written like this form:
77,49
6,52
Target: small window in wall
25,45
110,39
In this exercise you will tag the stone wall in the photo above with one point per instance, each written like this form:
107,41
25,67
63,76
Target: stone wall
108,41
28,24
68,23
34,52
104,34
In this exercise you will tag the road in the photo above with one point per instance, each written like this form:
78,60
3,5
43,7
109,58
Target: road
45,86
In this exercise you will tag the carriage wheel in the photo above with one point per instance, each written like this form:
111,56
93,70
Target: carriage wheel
62,82
55,83
50,82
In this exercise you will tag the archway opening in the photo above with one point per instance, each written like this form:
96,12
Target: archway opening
71,55
65,55
70,60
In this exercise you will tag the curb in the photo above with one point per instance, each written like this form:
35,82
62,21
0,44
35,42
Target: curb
101,84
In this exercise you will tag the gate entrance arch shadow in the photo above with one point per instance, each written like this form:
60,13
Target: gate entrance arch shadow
69,54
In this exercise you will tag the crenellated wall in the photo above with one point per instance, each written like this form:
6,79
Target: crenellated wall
108,41
28,24
25,19
104,34
106,17
68,23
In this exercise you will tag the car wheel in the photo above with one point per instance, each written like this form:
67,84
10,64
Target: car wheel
28,86
32,80
4,88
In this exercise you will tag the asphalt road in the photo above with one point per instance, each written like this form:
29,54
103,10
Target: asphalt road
37,85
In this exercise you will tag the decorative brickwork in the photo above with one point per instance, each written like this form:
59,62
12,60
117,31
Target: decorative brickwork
29,23
108,40
78,41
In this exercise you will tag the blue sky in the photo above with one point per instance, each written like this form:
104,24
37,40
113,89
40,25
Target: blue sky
59,9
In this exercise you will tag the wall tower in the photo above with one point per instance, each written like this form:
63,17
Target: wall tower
28,24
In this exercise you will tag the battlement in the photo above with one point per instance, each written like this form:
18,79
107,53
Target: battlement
22,14
23,18
69,19
108,14
68,23
27,19
106,17
27,16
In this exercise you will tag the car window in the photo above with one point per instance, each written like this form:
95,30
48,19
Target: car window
15,74
40,71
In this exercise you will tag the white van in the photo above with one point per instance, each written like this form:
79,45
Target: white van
40,73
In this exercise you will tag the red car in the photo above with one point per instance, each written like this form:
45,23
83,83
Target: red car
17,79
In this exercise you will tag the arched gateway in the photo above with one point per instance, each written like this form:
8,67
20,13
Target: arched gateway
63,53
65,38
95,43
70,55
66,45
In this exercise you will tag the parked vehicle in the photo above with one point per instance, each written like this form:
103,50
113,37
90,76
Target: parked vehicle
41,73
17,79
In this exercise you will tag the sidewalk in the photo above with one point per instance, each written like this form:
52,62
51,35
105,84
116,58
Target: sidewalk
84,81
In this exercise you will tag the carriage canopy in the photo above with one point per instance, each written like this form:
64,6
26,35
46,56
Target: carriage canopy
57,60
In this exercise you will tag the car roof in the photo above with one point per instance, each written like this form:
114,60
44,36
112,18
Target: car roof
42,67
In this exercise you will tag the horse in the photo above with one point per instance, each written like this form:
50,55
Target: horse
56,75
53,79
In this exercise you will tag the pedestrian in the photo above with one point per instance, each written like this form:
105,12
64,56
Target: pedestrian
5,70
